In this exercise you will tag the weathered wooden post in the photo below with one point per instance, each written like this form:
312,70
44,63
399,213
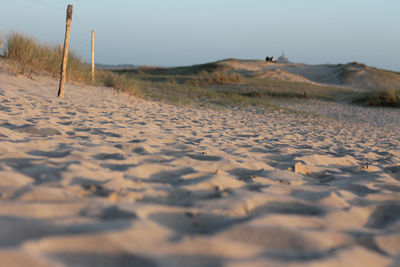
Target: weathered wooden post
65,56
93,80
1,45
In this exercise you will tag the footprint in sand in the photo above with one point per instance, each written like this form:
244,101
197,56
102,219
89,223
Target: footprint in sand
106,156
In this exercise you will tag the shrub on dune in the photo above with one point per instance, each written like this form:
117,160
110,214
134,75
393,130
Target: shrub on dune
386,98
119,82
381,98
223,78
31,57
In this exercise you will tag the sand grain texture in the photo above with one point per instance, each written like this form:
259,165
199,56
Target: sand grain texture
102,179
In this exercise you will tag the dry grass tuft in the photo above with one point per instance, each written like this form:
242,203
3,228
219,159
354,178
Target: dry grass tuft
30,58
384,98
223,78
119,81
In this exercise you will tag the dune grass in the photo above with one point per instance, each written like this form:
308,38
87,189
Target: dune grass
29,57
33,58
230,90
204,84
289,89
192,95
119,82
381,98
201,78
209,76
174,71
224,78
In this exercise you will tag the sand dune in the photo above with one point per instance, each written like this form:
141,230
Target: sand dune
103,179
352,75
282,75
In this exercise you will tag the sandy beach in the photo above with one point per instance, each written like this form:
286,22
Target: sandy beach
104,179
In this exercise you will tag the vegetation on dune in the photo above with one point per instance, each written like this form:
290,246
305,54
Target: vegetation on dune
202,79
118,81
357,75
29,57
347,72
187,95
223,78
291,89
204,84
174,71
381,98
224,87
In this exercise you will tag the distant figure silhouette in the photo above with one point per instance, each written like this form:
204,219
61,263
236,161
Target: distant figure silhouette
270,59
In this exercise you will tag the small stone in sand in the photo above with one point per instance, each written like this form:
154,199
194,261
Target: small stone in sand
302,169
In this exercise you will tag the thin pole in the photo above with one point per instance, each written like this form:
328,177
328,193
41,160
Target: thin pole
93,80
65,57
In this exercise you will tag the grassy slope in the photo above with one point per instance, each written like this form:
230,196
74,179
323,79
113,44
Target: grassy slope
29,57
380,87
189,70
353,75
368,78
214,76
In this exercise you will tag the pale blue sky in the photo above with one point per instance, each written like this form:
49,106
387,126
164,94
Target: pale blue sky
184,32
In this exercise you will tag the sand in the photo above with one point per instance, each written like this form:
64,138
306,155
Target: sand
322,74
354,76
104,179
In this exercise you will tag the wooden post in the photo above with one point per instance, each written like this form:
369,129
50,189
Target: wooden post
1,45
93,80
65,57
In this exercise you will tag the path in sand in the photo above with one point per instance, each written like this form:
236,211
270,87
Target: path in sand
100,178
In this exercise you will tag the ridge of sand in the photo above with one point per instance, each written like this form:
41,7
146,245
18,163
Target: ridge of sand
102,179
352,75
282,75
295,72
